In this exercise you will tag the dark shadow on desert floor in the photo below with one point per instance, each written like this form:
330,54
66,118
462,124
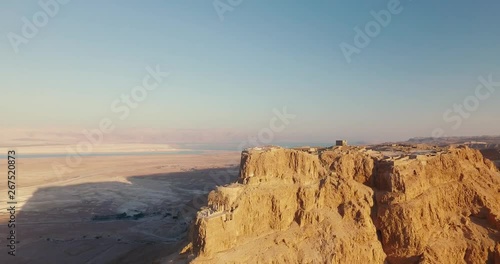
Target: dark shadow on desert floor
112,222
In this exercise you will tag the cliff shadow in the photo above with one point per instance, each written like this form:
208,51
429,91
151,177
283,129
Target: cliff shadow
135,221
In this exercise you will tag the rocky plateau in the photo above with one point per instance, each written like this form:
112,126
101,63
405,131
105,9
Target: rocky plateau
384,204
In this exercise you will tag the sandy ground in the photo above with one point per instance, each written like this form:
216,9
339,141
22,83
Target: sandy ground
112,209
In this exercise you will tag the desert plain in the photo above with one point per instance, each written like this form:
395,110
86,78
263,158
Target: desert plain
109,209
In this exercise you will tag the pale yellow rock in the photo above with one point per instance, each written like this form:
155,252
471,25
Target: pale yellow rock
349,205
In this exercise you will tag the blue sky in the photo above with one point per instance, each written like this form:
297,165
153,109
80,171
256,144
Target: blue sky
229,75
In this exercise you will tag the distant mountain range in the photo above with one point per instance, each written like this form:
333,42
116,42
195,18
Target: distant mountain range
488,145
488,140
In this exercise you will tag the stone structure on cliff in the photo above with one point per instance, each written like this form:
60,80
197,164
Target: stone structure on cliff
353,205
341,142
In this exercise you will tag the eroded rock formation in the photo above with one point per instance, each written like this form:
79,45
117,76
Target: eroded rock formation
353,205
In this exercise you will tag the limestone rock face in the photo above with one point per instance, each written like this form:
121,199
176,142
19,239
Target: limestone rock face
352,205
443,209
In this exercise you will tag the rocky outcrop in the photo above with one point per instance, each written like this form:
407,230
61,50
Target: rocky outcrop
492,154
353,205
440,209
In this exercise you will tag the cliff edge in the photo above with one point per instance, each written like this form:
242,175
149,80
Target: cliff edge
353,205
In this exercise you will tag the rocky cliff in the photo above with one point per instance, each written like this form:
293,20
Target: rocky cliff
353,205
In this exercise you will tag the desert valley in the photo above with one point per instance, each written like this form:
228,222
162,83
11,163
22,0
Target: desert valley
249,132
393,202
120,209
